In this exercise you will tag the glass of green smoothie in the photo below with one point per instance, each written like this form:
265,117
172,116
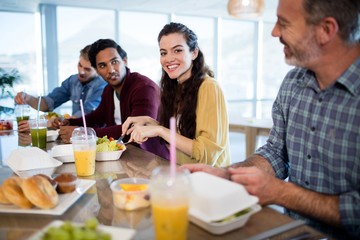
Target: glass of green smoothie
38,130
22,112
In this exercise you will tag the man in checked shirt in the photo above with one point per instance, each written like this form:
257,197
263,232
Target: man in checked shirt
315,139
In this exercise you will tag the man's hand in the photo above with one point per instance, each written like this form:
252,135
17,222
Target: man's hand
257,183
23,126
66,132
199,167
24,139
20,98
56,123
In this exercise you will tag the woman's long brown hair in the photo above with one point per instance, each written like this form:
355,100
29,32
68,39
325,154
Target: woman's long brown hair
181,99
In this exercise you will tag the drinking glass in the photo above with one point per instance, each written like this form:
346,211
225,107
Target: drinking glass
38,131
22,112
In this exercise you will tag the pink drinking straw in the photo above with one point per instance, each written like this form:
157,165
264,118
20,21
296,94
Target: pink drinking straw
83,117
172,147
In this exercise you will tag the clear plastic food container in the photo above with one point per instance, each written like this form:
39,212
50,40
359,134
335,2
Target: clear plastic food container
130,193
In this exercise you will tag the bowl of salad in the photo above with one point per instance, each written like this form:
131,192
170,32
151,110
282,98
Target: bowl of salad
108,150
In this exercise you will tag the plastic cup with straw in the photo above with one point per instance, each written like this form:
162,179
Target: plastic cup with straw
84,146
169,195
38,129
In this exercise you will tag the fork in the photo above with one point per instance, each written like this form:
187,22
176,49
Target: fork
120,140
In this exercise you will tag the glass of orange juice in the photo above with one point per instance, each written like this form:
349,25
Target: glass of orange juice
84,146
169,197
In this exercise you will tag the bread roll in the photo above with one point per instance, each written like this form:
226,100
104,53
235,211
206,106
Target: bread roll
40,192
52,181
14,193
3,199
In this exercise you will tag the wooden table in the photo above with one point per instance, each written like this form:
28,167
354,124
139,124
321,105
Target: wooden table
97,202
252,128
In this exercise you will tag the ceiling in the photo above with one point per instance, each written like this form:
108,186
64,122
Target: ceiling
213,8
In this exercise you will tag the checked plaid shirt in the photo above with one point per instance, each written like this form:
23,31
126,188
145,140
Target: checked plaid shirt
315,141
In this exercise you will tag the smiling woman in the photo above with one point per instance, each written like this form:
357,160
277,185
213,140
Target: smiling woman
189,93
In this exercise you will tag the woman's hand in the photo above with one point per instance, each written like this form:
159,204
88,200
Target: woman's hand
141,133
131,122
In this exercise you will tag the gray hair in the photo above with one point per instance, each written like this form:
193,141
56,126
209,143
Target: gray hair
345,12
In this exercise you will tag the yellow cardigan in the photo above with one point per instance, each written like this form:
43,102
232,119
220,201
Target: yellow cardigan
211,144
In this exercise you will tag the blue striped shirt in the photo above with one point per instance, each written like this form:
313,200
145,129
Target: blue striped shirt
315,140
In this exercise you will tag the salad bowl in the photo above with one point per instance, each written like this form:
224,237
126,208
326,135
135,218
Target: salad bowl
107,149
109,156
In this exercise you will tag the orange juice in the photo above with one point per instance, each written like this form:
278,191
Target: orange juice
133,187
170,222
85,162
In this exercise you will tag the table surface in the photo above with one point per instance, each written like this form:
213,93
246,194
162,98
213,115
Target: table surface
97,202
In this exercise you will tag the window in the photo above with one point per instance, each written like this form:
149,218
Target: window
75,33
273,62
19,50
139,40
204,29
273,71
238,64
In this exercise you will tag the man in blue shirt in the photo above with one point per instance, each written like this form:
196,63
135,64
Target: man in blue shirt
315,139
86,85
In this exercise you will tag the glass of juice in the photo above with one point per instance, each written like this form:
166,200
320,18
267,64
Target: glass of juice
84,146
22,112
38,130
169,197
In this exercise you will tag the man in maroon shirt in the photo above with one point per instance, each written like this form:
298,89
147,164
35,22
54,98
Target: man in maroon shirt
127,94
